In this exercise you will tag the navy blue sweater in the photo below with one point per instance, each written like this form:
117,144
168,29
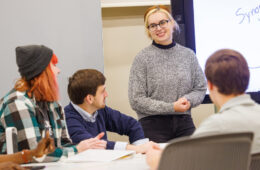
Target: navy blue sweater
107,120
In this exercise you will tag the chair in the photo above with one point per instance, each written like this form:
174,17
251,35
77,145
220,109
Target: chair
214,152
255,161
11,140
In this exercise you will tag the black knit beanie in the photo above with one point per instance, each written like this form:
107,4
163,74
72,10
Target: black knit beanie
32,60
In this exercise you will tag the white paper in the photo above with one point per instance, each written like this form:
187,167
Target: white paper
98,155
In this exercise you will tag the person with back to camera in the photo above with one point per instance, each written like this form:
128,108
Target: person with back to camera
165,81
32,106
228,75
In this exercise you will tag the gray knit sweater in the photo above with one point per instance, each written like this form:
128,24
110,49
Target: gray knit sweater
159,77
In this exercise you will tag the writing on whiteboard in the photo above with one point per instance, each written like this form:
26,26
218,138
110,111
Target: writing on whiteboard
248,15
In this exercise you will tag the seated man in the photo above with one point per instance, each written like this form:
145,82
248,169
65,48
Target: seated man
228,77
87,115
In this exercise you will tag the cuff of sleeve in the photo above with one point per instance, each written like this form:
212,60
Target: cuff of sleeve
141,141
120,146
39,159
75,149
189,99
169,108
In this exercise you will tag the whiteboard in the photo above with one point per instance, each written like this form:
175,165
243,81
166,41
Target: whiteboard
233,24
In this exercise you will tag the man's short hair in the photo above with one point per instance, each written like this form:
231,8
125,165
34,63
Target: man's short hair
228,70
83,83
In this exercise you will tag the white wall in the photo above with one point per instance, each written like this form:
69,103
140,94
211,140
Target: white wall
72,28
123,37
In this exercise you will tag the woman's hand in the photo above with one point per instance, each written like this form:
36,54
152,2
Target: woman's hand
11,166
92,143
181,105
45,146
153,157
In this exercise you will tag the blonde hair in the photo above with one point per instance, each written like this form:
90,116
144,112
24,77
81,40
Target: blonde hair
158,8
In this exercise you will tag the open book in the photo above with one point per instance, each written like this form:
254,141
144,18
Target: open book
98,155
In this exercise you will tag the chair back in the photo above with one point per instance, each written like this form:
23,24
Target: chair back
255,161
11,140
213,152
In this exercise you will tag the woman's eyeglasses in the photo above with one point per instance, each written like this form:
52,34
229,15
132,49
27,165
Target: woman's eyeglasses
162,24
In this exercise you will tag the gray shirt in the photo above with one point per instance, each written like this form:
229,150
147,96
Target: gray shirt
159,77
239,114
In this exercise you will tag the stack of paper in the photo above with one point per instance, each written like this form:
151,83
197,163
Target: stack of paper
97,155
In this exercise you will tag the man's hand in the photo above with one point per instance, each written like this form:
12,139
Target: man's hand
143,148
181,105
92,143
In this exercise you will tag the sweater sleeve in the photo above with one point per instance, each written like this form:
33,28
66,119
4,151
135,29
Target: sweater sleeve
138,92
123,124
78,131
197,93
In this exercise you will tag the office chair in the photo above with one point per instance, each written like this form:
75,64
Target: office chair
213,152
255,161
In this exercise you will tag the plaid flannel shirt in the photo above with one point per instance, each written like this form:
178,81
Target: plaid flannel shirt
18,110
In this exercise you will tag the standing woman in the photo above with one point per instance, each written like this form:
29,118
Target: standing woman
32,106
165,81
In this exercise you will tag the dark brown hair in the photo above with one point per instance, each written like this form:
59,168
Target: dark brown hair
84,82
228,70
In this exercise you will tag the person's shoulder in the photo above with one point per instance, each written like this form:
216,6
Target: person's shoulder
144,52
105,110
109,112
184,49
14,101
212,124
17,97
68,107
70,111
213,120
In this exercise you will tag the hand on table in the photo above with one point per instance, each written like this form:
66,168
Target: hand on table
11,166
143,148
92,143
153,157
45,146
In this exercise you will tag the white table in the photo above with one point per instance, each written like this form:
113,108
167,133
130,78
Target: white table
136,162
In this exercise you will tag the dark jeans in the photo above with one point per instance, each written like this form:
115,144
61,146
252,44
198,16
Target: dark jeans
162,128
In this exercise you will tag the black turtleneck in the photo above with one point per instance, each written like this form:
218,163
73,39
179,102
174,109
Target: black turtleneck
165,46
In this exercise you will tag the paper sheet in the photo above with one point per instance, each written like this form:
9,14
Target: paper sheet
98,155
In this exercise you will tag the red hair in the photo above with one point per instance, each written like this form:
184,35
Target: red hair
43,87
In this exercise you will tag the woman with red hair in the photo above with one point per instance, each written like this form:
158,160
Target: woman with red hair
32,106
